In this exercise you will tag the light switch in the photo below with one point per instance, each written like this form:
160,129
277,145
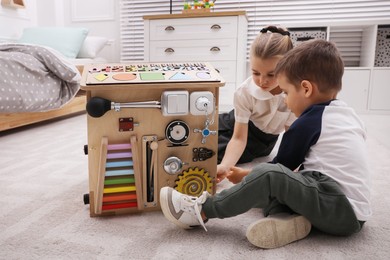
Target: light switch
174,103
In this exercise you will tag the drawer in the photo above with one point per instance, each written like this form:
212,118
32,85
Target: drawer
299,35
196,50
194,28
227,69
382,57
226,95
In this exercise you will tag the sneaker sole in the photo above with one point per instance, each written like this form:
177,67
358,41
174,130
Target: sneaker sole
164,203
273,232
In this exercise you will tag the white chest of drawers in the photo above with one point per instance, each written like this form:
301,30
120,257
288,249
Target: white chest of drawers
217,37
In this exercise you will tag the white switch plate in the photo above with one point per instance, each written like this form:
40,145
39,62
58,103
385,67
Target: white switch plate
174,103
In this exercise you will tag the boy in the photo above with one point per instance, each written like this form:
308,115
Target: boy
320,175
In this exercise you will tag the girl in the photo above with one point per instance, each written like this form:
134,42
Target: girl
260,115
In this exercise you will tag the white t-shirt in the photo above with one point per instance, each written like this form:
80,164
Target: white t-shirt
268,112
330,138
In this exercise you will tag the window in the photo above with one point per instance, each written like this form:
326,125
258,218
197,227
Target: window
260,13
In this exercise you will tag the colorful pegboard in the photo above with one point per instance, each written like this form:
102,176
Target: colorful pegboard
151,73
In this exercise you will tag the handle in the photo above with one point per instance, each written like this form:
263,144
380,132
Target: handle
169,28
169,50
302,39
215,27
215,48
97,107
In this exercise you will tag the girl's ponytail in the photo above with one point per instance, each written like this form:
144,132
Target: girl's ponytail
270,42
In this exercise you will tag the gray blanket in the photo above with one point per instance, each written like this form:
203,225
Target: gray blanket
35,78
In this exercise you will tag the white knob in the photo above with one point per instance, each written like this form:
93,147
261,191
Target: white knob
202,103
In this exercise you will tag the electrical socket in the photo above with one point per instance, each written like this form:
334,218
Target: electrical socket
201,102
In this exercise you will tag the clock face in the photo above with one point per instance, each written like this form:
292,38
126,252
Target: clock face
177,132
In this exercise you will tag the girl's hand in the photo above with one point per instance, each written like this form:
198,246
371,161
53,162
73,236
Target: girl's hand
236,174
222,171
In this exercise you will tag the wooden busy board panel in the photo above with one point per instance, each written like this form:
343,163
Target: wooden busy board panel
99,74
145,132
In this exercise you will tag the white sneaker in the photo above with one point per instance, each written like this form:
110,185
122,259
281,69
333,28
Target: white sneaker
278,230
181,209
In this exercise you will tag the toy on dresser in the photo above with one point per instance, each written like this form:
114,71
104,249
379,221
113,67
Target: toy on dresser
149,126
197,6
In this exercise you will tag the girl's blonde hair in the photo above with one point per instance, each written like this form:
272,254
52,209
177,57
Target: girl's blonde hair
272,41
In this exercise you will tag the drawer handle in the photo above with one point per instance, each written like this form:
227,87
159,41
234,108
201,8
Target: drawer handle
216,27
302,39
215,49
169,28
169,50
217,70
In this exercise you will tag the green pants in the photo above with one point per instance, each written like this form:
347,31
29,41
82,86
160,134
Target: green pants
276,189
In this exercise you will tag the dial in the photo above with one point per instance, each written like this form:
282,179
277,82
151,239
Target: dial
177,132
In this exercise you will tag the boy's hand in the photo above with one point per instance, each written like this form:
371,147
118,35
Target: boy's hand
236,174
222,171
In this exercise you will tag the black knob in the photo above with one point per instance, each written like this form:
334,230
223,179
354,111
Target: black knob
86,198
96,106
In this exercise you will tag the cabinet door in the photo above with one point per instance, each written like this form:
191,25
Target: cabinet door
380,89
356,83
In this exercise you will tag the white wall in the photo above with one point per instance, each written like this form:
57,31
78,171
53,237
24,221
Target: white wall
12,21
101,17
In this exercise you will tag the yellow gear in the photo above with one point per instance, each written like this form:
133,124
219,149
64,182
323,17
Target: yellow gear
193,182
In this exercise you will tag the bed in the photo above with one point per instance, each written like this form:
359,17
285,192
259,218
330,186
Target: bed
39,82
36,84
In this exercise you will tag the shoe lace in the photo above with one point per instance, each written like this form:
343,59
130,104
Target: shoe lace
197,204
199,201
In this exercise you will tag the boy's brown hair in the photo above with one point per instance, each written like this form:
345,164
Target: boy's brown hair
317,61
